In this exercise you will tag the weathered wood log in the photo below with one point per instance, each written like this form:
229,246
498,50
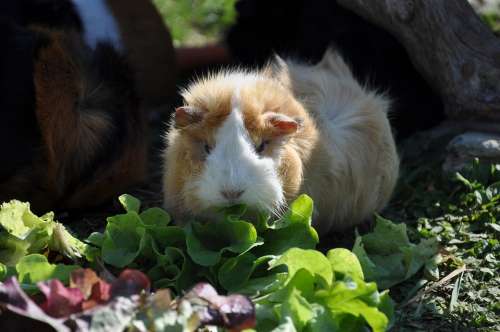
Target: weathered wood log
454,51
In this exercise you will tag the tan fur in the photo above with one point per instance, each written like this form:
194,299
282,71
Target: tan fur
213,96
343,156
355,167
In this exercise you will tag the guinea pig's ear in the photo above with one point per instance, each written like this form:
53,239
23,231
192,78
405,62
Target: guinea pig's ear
278,69
283,125
187,115
275,67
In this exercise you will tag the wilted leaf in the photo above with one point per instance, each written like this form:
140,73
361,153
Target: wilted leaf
66,244
387,255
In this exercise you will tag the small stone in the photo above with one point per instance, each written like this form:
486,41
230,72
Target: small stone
465,147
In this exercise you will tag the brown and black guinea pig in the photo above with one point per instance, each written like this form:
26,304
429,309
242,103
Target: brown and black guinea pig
74,94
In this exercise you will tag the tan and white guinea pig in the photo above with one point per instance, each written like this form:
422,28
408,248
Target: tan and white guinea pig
262,138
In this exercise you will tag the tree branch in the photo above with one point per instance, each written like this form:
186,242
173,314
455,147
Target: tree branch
449,45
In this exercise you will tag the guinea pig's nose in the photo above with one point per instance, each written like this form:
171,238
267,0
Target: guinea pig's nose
232,194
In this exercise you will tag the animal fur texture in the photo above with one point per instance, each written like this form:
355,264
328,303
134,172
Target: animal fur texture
72,118
91,143
261,138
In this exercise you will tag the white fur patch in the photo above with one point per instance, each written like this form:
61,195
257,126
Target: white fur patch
233,165
98,23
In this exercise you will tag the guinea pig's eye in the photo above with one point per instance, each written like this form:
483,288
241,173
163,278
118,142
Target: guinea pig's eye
207,148
260,148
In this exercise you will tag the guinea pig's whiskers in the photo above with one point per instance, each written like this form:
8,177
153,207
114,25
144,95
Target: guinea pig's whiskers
280,209
275,208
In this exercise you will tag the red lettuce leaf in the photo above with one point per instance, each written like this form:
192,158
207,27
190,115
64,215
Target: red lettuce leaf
95,290
130,282
90,300
59,300
15,299
234,312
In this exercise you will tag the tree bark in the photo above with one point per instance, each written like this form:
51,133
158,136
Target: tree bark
455,52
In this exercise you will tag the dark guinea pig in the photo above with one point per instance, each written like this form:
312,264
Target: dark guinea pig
73,129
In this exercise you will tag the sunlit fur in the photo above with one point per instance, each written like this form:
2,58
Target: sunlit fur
233,165
236,106
354,169
343,155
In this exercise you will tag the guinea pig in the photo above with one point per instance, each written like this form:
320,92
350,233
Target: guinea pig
73,129
263,137
135,29
78,78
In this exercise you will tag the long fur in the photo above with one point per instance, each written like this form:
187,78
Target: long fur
90,121
82,139
343,154
355,166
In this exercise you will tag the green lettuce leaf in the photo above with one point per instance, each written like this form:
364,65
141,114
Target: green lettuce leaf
23,233
323,294
207,242
235,273
345,263
35,268
292,230
354,301
294,287
130,203
155,217
388,257
311,260
125,238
